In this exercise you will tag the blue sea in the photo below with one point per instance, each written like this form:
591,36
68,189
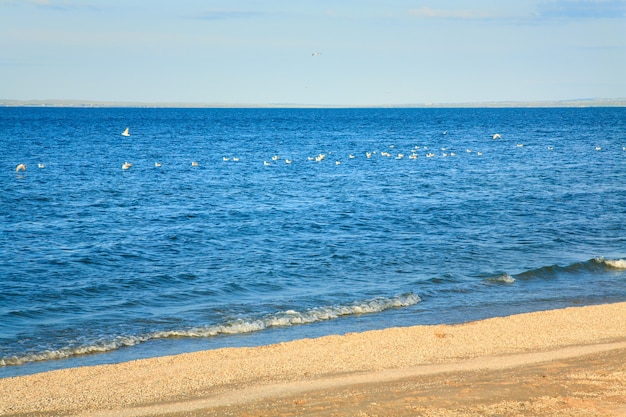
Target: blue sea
268,225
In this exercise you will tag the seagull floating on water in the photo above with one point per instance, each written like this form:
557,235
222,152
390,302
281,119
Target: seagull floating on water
41,166
125,132
497,136
126,165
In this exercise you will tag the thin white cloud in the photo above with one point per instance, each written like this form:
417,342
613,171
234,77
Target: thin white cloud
582,9
227,14
60,5
543,10
430,13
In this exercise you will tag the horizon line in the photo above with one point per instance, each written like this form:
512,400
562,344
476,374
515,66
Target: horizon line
593,102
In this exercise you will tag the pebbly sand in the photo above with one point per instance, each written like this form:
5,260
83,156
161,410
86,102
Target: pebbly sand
569,362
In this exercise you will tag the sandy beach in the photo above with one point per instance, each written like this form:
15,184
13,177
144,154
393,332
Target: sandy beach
569,362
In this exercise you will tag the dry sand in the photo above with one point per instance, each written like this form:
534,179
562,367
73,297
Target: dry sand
569,362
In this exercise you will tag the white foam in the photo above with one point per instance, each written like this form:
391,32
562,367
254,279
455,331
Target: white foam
239,326
504,279
119,342
615,263
294,318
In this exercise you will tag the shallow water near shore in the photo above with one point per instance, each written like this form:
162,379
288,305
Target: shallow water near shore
296,223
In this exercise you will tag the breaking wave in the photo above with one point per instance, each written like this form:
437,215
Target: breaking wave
614,263
239,326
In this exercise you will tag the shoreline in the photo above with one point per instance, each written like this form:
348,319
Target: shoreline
587,341
565,103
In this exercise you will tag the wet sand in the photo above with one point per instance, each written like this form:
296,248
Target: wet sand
569,362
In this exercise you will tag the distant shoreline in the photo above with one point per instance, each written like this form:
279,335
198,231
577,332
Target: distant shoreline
496,104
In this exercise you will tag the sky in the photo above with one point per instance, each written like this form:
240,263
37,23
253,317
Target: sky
312,52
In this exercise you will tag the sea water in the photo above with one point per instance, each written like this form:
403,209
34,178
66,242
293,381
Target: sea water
267,225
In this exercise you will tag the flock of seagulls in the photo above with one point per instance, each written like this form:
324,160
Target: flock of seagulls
413,154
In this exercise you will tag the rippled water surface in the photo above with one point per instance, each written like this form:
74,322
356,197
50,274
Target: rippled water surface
295,223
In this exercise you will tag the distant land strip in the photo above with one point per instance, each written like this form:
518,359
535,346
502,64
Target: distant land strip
615,102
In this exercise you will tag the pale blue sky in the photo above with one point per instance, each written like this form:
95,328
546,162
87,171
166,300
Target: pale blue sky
260,51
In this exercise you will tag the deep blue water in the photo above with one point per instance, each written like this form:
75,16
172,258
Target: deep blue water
99,264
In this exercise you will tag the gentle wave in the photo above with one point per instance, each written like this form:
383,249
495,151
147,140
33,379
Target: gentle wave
100,347
240,326
597,264
502,279
292,317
